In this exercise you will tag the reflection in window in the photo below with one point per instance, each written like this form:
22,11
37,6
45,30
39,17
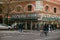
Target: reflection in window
29,8
54,10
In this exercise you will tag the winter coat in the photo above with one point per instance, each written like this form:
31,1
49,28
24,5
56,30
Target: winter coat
45,28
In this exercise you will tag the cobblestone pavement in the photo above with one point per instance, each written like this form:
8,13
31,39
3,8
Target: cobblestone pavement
28,35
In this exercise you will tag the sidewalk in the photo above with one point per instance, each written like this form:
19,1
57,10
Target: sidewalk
25,31
17,31
28,34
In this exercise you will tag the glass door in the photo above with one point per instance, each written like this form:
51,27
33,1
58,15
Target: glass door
28,25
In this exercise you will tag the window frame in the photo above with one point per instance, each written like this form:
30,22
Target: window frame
29,7
46,8
55,10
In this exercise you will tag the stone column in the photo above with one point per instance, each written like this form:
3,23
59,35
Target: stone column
31,25
26,25
3,19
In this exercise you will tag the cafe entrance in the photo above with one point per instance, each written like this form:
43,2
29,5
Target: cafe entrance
29,24
27,20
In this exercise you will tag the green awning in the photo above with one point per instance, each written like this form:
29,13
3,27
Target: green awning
5,18
28,18
32,18
48,19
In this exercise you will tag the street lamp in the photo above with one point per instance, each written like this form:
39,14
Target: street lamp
7,2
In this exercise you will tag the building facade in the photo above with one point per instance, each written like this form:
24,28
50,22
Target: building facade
30,13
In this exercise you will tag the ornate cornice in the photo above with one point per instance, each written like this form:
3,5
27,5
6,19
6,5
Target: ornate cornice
3,2
52,2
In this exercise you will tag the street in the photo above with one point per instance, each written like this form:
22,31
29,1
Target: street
28,35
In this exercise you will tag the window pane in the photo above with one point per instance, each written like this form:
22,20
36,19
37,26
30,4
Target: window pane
46,8
29,7
54,10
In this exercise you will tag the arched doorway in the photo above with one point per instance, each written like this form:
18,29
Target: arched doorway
1,19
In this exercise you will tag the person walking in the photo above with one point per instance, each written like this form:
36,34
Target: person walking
20,27
38,27
49,27
41,30
52,27
33,27
45,29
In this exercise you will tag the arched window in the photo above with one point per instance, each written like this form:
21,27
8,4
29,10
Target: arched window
54,10
29,7
18,8
46,9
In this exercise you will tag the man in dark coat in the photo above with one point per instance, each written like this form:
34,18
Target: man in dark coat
51,27
45,29
55,26
38,27
20,27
